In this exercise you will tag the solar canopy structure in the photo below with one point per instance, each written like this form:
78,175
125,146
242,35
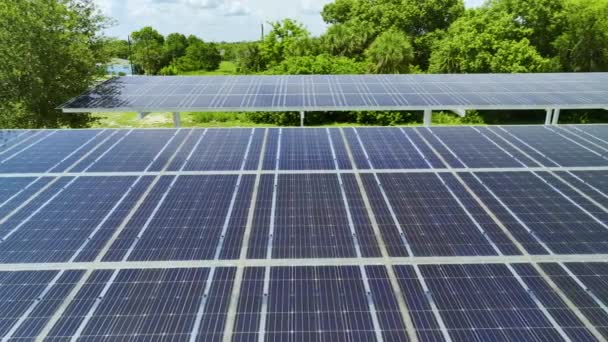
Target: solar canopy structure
550,92
342,234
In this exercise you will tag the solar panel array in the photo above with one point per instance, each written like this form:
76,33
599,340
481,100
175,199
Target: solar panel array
341,234
345,93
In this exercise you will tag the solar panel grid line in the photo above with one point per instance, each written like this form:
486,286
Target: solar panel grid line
26,148
41,190
539,304
103,251
578,143
457,200
403,309
578,135
298,172
433,304
572,187
478,200
81,147
365,279
12,139
588,134
202,306
561,179
89,314
555,189
587,323
330,261
119,202
266,284
394,218
160,203
10,148
9,334
238,278
499,200
226,224
349,217
582,285
50,200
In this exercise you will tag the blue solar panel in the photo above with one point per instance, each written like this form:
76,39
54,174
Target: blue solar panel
344,92
35,294
321,234
553,219
58,227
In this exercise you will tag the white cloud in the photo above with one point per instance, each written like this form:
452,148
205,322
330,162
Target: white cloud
227,20
236,8
312,7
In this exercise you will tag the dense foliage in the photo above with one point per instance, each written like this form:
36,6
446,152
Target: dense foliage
48,54
51,50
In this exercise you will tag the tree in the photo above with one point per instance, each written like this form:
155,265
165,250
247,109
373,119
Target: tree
543,18
117,48
349,40
249,58
175,46
583,44
148,50
200,56
487,41
284,40
321,64
48,54
416,18
390,53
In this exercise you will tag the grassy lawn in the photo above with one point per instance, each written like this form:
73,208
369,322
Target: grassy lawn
129,120
226,68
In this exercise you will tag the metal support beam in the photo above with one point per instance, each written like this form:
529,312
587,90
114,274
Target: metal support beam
549,116
177,120
302,116
460,112
141,115
555,116
428,114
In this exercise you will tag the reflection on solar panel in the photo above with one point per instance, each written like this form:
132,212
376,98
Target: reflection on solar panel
339,93
280,234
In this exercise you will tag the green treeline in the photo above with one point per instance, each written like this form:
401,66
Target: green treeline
41,68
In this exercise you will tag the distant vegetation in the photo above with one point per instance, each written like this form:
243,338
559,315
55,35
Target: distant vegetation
41,68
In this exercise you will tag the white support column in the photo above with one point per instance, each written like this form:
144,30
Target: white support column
177,121
428,114
549,116
302,116
555,116
460,112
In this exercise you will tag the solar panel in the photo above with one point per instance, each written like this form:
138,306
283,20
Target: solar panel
345,92
316,234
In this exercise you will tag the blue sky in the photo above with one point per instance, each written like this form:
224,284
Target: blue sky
216,20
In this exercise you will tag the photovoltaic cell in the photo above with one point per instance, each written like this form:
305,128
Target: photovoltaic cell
46,153
557,148
31,295
135,152
58,227
554,220
472,148
433,222
317,304
389,149
486,302
593,277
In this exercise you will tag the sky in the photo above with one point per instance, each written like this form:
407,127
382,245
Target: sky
213,20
